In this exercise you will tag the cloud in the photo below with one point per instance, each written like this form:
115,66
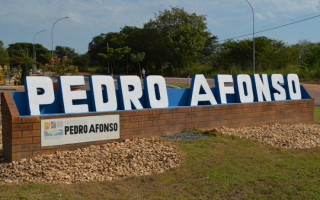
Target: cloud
259,16
288,5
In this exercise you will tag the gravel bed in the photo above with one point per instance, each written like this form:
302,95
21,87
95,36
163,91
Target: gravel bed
137,157
184,136
289,136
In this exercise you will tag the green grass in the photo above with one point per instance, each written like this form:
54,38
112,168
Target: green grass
317,115
221,167
181,85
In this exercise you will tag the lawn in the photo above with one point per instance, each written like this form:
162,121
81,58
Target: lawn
221,167
317,115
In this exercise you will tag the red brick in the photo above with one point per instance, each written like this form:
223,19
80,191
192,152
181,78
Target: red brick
152,129
19,155
165,128
129,124
36,126
145,123
125,132
160,122
22,140
185,120
14,112
159,111
16,120
137,118
31,133
27,126
153,117
30,119
178,115
16,148
184,109
125,119
36,140
30,147
166,116
197,108
16,134
146,112
131,113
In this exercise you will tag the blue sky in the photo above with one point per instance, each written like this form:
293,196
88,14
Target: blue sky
21,19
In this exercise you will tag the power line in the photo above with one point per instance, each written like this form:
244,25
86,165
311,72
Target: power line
276,27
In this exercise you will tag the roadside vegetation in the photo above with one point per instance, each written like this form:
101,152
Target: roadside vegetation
173,43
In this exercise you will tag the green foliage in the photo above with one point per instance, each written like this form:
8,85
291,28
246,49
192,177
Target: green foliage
4,55
311,61
114,56
317,115
82,61
171,42
26,49
62,51
137,58
23,63
182,36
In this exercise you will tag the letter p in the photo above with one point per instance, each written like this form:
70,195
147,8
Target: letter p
35,98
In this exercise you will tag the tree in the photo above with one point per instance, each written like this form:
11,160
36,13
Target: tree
25,49
114,56
23,63
4,56
100,44
62,51
311,60
82,61
182,35
137,58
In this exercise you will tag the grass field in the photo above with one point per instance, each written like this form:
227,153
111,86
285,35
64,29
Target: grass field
317,115
221,167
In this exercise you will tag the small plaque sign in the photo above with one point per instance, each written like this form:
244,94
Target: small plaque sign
62,131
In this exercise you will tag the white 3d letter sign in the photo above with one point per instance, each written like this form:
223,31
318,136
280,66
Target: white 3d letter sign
156,92
68,96
103,96
35,100
199,82
97,83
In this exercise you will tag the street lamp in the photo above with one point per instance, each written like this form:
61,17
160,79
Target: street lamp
34,49
253,42
52,34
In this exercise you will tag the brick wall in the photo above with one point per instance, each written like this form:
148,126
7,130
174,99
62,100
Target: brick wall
21,135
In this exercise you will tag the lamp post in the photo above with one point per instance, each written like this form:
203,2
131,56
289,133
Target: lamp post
253,41
52,33
34,49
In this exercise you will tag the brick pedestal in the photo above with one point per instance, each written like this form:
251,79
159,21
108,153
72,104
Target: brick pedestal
21,135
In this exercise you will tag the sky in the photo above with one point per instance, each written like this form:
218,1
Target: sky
20,20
